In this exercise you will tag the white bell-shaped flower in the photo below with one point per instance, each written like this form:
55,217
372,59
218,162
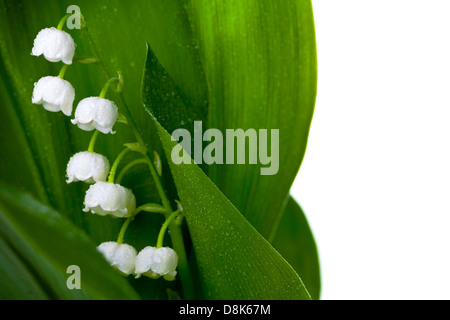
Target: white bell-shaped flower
87,166
54,94
105,198
56,45
96,113
120,256
155,262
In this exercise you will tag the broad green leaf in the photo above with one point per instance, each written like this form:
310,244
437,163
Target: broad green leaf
295,242
16,279
260,61
15,148
234,260
206,223
166,100
177,48
40,244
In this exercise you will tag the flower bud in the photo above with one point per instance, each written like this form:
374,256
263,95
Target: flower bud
54,94
56,45
96,113
87,166
155,262
120,256
105,198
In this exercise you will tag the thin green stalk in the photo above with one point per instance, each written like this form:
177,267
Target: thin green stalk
123,229
159,242
63,21
63,71
106,87
162,193
112,173
94,47
92,141
118,79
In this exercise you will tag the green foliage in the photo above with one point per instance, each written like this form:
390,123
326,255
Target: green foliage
233,64
38,244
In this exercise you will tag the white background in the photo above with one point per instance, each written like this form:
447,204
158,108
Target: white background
375,181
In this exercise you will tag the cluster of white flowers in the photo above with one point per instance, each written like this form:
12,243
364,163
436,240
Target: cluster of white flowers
103,197
57,94
92,113
150,261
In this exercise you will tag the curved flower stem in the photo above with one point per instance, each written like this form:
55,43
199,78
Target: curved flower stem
159,242
106,87
108,83
63,21
92,141
113,170
124,229
128,167
162,193
127,222
63,71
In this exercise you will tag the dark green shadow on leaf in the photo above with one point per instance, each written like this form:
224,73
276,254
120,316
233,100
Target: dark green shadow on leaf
295,242
40,244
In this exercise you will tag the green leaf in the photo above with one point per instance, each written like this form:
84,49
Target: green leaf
164,98
260,61
40,244
16,280
295,242
234,260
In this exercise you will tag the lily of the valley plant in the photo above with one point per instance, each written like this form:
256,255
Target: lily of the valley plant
104,196
92,204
